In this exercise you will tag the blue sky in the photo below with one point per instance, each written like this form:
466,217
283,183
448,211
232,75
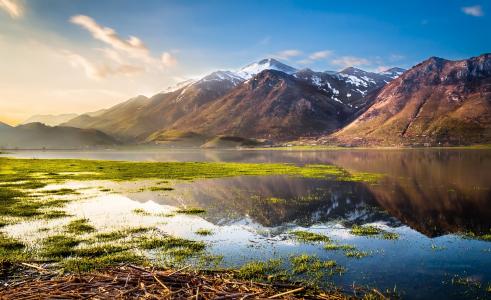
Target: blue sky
202,36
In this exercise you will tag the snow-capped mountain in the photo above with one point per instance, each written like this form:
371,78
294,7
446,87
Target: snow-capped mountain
349,86
393,72
266,64
282,102
230,76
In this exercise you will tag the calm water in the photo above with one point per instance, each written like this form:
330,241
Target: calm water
427,196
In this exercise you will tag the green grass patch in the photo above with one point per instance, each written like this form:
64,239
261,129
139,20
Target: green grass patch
85,264
59,246
55,214
79,226
365,230
309,237
63,191
390,236
170,242
305,263
190,211
334,247
204,232
258,270
160,188
99,250
141,212
11,250
120,234
14,170
356,254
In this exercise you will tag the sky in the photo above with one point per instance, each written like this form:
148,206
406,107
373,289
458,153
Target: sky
76,56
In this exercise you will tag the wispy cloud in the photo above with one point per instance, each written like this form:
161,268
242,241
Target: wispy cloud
100,71
168,59
126,57
396,57
287,54
350,61
13,7
475,11
132,46
320,54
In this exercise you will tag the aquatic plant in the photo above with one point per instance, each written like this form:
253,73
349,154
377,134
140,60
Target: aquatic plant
356,254
141,212
333,246
79,226
59,246
259,270
390,236
86,264
365,230
203,231
305,263
307,236
190,211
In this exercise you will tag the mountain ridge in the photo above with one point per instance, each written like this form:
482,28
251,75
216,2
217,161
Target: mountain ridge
172,109
437,102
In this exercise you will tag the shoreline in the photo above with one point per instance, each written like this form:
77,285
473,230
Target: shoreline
129,281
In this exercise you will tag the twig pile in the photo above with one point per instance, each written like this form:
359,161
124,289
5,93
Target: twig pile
132,282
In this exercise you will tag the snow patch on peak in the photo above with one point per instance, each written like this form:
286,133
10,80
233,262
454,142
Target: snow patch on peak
178,86
266,64
234,78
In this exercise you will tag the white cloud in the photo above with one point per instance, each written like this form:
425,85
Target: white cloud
132,46
315,56
320,54
396,57
168,59
350,61
112,55
13,7
121,49
380,69
475,11
287,54
100,71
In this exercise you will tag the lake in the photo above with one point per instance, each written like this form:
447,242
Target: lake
430,198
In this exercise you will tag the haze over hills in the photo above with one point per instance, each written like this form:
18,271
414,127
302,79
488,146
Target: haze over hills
38,136
436,102
266,99
50,120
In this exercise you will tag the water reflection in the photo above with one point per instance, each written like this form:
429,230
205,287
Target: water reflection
433,191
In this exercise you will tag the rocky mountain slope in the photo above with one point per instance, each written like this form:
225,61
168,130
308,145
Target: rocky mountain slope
38,136
437,102
271,105
266,99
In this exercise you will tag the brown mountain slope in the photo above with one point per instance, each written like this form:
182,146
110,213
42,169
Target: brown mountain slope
139,117
271,105
436,102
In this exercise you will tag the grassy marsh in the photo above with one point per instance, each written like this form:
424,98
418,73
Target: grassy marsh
311,237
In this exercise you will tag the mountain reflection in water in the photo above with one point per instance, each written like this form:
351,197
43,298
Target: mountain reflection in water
434,191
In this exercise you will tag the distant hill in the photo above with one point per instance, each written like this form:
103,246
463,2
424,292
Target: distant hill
50,120
39,136
437,102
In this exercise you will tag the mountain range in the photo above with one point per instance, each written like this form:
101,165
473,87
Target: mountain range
437,102
264,100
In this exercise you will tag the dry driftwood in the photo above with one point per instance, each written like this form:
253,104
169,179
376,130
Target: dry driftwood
133,282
